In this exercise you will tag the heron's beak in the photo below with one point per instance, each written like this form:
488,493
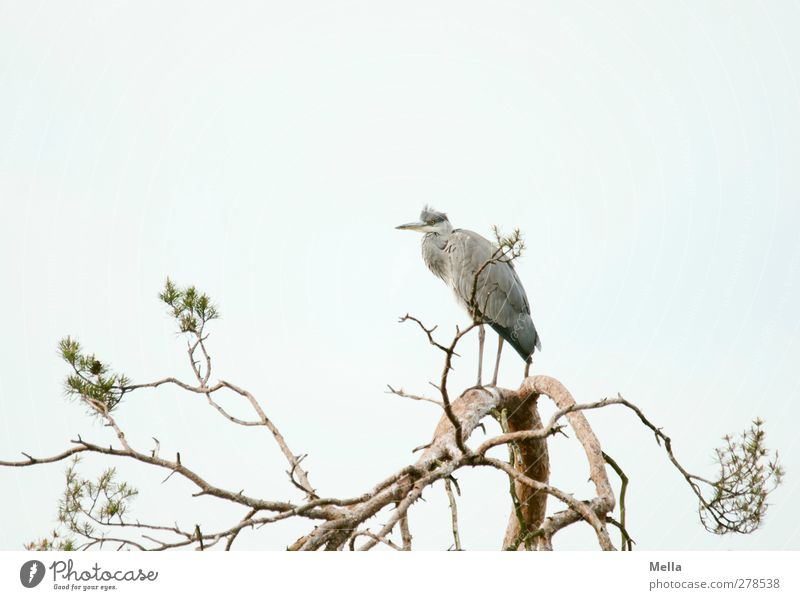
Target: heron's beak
415,226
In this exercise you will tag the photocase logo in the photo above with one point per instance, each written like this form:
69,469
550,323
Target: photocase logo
31,573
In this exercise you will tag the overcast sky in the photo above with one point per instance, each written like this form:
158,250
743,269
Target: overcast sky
265,152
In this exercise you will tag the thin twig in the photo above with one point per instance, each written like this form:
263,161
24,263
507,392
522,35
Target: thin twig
453,513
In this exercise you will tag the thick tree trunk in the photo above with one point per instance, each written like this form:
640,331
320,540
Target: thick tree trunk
534,462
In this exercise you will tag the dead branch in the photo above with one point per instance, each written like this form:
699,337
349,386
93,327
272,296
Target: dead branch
451,499
403,394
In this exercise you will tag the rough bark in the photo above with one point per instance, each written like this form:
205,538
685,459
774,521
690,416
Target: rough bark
534,462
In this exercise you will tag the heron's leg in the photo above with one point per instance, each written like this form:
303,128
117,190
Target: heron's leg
481,337
497,360
528,366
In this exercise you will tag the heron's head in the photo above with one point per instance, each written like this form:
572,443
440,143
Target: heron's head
430,221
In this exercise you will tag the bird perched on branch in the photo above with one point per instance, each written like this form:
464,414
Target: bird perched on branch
484,281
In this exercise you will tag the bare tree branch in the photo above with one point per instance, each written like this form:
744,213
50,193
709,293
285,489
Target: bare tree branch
453,514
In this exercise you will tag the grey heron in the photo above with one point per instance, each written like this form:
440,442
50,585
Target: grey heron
496,297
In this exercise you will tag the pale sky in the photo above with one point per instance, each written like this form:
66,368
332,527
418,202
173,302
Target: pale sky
265,151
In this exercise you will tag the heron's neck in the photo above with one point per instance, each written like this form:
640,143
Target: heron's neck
438,240
433,253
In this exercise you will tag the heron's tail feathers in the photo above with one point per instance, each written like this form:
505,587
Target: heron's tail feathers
522,337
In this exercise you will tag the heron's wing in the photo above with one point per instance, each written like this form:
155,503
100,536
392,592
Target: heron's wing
502,298
499,296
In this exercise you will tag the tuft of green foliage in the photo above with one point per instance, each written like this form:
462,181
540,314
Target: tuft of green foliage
91,380
54,542
84,505
747,475
509,246
190,308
